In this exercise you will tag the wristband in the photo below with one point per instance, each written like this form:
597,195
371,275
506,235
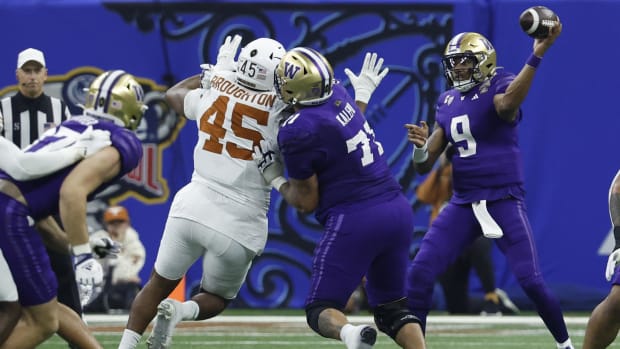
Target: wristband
533,61
420,154
81,249
278,182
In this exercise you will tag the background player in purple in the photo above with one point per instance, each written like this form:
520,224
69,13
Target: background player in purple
336,168
604,322
115,104
479,117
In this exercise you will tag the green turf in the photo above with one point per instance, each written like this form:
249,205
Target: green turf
297,335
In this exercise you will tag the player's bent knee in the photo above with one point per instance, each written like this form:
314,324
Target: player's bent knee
315,309
391,317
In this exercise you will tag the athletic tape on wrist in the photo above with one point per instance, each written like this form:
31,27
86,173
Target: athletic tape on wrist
81,249
420,154
278,182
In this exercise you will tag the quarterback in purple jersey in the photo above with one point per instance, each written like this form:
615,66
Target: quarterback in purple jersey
115,106
479,118
336,167
604,321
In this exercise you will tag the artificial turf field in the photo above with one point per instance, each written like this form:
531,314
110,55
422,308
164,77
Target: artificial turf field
235,331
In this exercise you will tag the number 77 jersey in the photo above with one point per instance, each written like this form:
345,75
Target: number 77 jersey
231,120
335,141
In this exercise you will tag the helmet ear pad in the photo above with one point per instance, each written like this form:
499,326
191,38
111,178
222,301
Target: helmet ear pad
257,62
304,77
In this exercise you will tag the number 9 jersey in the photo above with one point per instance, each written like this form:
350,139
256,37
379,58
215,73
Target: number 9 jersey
486,163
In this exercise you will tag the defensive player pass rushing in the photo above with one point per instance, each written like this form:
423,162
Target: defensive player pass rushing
220,215
114,106
479,117
336,167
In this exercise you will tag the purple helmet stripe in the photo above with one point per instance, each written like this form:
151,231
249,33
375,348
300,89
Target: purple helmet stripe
315,57
106,88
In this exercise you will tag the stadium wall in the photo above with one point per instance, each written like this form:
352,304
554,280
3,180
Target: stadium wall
567,163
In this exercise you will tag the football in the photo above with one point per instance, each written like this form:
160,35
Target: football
536,21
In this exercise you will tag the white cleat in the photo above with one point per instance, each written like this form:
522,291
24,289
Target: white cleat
168,316
364,338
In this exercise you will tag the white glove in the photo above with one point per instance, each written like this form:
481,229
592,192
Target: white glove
612,262
86,293
91,141
105,247
370,77
205,76
87,270
226,54
269,162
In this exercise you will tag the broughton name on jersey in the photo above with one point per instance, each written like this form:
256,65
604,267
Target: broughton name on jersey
230,88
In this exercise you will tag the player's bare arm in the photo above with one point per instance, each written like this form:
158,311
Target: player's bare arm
175,95
302,194
53,236
87,176
435,144
507,104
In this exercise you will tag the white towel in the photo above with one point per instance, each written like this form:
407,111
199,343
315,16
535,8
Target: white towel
490,228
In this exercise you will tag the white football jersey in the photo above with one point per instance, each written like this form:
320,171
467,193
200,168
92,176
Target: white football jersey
231,120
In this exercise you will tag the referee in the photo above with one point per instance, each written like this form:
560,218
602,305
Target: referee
23,118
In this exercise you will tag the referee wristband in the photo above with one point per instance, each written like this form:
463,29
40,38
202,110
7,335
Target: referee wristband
420,154
533,61
81,249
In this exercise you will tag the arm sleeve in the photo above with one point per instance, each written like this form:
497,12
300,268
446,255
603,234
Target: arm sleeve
31,165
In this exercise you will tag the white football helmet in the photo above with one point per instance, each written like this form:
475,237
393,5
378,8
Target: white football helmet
257,62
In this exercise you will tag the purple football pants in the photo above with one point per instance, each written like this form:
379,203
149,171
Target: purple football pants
371,241
25,254
456,228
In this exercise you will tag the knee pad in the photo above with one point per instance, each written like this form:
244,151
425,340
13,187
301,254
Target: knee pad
391,317
313,311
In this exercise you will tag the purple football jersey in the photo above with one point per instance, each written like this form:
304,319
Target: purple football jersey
42,194
487,162
335,142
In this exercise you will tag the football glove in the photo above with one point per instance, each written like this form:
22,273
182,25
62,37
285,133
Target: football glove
269,161
91,141
370,77
226,54
105,247
205,76
87,270
612,262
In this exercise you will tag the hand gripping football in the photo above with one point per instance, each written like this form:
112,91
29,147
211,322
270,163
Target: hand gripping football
536,21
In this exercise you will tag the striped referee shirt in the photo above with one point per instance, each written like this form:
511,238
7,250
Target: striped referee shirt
24,119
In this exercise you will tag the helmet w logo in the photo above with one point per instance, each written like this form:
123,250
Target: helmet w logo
290,70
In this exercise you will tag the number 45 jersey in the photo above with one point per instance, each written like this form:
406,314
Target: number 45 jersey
486,162
335,142
231,120
227,192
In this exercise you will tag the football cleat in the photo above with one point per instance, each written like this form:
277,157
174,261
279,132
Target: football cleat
169,314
